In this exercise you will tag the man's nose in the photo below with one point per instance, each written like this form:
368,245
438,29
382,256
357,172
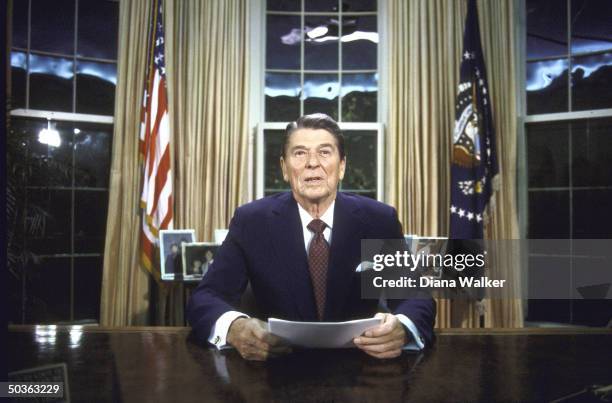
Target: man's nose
313,160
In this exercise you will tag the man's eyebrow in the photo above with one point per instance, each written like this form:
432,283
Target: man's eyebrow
303,147
325,145
299,146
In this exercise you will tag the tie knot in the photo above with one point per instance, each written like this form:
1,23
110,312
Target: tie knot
317,226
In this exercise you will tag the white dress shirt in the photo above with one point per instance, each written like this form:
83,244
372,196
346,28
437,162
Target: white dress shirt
218,334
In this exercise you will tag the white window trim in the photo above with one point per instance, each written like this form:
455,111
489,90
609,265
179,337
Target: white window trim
63,116
257,123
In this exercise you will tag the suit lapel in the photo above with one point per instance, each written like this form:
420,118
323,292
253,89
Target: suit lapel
345,254
287,232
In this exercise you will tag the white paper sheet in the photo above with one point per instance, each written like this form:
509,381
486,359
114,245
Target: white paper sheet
320,334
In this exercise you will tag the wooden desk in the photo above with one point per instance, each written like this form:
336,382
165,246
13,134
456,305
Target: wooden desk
166,365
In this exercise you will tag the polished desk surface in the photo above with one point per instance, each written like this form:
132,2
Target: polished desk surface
167,365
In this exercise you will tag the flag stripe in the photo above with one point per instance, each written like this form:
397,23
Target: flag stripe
156,199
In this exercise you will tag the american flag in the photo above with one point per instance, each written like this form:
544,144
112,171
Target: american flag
474,159
156,200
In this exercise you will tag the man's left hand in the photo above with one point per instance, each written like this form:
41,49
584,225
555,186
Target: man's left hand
385,340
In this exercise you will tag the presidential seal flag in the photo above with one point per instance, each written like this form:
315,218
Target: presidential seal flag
474,167
156,201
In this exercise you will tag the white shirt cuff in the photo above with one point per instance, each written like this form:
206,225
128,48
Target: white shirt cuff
218,334
417,343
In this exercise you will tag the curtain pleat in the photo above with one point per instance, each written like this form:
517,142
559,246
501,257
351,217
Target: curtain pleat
208,81
425,39
125,286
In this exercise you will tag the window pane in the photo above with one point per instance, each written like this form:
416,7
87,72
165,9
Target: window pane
282,97
96,87
546,28
547,86
321,47
592,152
273,181
359,97
548,154
321,94
49,291
49,217
592,217
87,287
321,5
591,26
283,5
359,42
52,26
98,27
51,83
92,154
283,42
360,148
48,165
90,209
358,5
19,69
20,24
592,82
549,215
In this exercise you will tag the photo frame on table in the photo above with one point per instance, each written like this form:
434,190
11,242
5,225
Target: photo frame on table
170,245
197,259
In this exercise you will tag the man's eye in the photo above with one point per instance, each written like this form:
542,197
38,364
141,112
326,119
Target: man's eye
325,153
299,153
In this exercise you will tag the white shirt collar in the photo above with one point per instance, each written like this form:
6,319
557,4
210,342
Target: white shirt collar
327,217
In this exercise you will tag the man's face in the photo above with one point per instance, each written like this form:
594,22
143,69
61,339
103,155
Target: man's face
174,249
209,256
312,165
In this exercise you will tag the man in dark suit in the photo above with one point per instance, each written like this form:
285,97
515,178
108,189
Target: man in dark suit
299,251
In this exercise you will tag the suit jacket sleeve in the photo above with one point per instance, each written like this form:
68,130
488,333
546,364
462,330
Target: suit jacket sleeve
420,309
222,286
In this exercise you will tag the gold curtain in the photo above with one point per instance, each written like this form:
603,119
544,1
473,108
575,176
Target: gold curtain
207,79
497,22
425,44
125,286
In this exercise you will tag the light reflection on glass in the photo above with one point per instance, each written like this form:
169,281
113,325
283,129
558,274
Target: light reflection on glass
589,65
76,332
278,84
45,334
54,66
321,86
103,71
359,83
541,74
18,59
355,36
293,37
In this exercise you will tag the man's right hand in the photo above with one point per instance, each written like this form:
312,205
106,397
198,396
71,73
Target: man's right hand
253,341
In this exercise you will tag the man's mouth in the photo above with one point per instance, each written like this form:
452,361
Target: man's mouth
313,180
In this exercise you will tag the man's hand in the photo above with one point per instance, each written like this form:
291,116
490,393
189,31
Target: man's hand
250,337
384,341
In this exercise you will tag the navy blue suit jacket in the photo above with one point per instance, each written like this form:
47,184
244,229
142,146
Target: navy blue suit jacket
265,245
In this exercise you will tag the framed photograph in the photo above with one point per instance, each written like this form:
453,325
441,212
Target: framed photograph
197,258
170,244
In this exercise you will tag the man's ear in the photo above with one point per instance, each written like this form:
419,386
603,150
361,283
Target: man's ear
284,169
342,168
